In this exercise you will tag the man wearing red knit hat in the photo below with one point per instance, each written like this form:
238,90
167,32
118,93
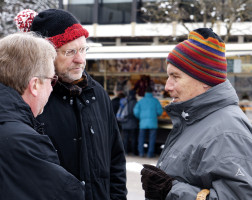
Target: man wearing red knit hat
207,154
79,116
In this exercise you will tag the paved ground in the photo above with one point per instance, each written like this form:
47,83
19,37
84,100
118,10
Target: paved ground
134,166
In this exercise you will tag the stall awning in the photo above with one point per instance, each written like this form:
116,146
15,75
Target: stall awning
133,52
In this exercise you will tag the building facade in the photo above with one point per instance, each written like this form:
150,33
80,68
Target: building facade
124,47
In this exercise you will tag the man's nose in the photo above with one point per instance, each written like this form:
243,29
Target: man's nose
80,58
168,85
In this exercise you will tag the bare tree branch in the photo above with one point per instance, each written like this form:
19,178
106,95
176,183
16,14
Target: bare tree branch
205,11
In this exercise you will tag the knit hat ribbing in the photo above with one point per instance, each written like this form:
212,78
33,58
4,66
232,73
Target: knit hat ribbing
59,26
201,56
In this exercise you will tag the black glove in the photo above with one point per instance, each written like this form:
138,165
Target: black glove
155,182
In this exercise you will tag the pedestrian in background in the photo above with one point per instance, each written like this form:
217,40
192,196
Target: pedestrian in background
130,125
116,104
147,111
142,84
29,165
116,101
79,116
208,152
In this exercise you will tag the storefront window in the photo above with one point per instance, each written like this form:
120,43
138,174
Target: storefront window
110,72
114,12
83,10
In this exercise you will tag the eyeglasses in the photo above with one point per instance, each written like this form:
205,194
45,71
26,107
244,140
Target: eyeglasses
54,79
72,52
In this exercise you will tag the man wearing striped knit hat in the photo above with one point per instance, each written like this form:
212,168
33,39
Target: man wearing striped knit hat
208,153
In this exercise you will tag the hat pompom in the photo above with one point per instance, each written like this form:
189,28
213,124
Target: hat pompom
24,19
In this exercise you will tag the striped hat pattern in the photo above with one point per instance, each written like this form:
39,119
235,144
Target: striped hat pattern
201,56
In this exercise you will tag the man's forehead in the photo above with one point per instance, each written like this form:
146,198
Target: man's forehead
172,69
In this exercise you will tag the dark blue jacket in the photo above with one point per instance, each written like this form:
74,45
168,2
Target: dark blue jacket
132,122
29,165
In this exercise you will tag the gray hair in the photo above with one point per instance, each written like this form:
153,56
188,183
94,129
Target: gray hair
23,56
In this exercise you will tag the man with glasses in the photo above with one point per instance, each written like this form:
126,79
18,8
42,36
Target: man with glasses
53,79
79,116
29,164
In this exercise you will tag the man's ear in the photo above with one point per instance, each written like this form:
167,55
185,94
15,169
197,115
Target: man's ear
33,86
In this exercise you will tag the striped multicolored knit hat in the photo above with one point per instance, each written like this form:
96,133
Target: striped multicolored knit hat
201,56
59,26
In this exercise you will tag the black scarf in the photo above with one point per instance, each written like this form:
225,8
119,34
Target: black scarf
72,89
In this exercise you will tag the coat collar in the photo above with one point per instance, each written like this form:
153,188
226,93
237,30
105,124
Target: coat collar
215,98
13,107
148,94
65,89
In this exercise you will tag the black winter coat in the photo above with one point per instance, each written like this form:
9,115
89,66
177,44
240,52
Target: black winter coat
85,133
29,165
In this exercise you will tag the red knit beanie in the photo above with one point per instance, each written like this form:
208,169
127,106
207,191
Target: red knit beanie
201,56
59,26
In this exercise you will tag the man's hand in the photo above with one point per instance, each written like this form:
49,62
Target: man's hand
155,182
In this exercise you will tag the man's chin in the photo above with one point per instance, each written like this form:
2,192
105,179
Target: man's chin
76,77
71,78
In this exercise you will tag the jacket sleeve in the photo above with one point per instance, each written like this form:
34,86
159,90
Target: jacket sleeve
223,165
159,108
131,107
118,165
136,110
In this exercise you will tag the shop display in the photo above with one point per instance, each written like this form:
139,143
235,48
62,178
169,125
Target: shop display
126,73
